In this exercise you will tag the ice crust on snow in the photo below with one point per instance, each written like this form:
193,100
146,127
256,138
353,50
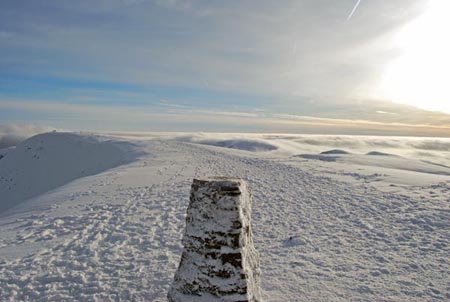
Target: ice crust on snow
219,261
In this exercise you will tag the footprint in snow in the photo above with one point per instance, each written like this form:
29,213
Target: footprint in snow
296,241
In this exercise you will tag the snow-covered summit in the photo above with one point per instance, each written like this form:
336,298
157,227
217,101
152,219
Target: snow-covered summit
360,228
46,161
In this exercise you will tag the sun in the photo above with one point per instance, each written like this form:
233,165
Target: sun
420,76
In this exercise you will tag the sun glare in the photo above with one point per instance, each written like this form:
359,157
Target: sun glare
420,76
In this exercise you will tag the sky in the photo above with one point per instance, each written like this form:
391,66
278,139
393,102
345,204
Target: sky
303,66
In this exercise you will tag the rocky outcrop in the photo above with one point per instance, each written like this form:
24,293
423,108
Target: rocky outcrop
219,261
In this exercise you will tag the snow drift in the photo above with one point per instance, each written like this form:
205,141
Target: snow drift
46,161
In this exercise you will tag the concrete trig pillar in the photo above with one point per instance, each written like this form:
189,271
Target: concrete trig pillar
219,261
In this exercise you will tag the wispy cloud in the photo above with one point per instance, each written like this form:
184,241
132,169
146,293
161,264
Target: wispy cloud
107,118
245,46
218,60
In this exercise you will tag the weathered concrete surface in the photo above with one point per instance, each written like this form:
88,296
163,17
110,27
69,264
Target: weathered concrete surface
219,261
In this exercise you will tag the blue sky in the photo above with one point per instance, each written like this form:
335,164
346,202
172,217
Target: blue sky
175,65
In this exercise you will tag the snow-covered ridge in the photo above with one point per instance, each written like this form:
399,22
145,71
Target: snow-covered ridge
46,161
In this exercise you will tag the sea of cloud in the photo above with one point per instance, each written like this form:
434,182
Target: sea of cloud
436,150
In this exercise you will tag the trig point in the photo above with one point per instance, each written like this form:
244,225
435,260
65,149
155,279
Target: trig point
219,261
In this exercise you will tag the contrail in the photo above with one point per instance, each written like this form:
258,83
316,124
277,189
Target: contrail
353,10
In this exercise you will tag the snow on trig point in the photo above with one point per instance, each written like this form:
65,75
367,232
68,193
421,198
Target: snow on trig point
219,261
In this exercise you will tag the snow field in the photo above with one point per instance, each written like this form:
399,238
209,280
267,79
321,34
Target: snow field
116,236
